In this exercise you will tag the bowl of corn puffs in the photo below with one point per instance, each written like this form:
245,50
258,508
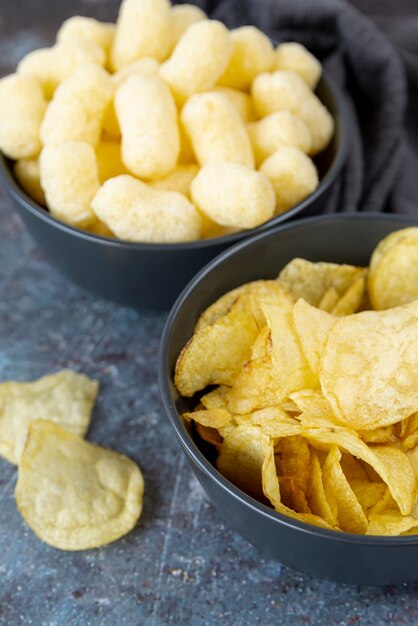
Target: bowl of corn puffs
137,151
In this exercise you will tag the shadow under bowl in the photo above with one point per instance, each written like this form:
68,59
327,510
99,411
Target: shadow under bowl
338,556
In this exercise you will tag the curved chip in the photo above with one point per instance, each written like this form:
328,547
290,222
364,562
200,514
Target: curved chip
290,365
311,281
350,514
66,398
313,327
369,367
242,456
73,494
214,355
270,291
393,280
390,463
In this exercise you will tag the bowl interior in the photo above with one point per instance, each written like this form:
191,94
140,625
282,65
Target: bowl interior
340,239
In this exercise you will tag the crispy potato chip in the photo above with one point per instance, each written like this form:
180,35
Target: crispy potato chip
391,523
215,399
329,300
378,435
241,458
410,434
311,281
352,298
292,495
66,398
390,463
392,279
269,291
210,435
314,409
75,495
293,459
215,354
385,503
289,362
350,514
375,354
368,493
271,490
313,327
353,468
215,418
275,422
318,502
256,385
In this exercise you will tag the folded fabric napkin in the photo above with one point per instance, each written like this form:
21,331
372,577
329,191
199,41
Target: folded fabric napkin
367,67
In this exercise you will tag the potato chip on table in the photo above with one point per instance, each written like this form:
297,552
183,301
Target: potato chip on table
66,398
73,494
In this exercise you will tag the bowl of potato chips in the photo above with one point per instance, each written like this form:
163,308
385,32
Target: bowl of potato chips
137,151
289,372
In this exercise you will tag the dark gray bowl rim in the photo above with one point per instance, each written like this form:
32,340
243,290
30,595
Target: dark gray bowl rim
188,445
342,151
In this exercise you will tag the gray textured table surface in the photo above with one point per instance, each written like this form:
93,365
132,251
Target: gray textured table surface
181,565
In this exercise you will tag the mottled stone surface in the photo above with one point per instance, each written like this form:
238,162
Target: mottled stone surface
182,565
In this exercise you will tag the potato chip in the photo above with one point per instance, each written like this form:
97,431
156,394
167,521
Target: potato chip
76,495
66,398
329,300
384,434
216,399
291,368
210,435
241,458
389,242
275,422
317,499
368,493
394,281
292,495
410,435
215,354
215,418
375,353
262,290
391,524
350,514
351,300
256,385
271,490
310,281
313,327
293,458
390,463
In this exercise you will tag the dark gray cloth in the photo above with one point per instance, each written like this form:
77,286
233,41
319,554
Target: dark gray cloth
382,168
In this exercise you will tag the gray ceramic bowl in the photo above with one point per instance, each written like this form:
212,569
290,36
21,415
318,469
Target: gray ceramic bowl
150,276
327,554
